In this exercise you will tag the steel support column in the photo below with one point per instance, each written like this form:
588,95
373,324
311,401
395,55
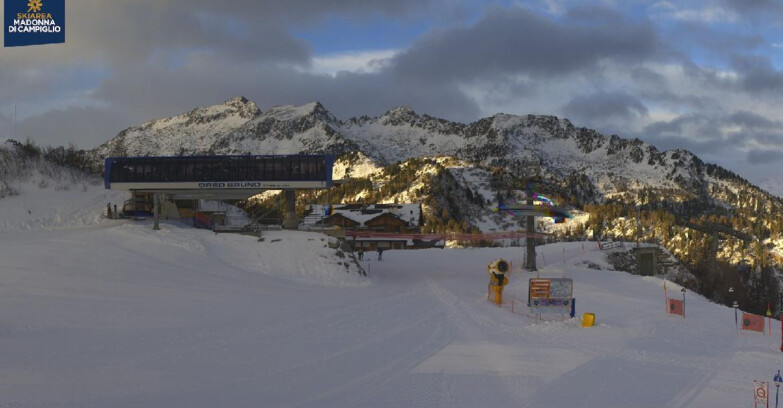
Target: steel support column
530,241
156,203
289,218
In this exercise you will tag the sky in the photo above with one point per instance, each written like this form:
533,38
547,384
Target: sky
706,76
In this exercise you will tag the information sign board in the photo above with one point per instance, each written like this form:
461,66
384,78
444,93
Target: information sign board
552,295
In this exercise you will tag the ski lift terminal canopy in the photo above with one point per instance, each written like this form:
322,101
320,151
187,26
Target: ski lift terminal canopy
233,176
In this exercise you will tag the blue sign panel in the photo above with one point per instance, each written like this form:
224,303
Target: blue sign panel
32,22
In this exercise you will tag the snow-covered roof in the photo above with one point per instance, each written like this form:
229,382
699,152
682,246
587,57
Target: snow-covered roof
410,213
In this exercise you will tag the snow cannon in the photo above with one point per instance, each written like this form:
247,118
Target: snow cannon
497,270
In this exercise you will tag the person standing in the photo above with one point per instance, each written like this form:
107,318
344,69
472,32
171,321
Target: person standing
361,254
380,253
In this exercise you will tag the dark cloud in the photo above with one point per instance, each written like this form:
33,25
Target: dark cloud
752,149
655,88
664,97
134,26
155,94
147,29
715,41
142,60
517,41
751,76
601,105
751,130
750,138
506,90
759,76
716,132
29,85
645,75
346,94
757,8
112,35
298,10
695,132
131,31
760,157
750,120
708,78
699,147
83,127
359,94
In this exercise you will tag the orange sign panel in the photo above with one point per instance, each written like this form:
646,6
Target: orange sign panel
539,288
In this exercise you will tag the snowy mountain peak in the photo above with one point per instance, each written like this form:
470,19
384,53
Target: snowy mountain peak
235,107
237,100
243,106
398,116
542,124
190,133
290,112
320,111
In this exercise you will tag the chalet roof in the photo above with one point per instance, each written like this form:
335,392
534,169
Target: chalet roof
410,213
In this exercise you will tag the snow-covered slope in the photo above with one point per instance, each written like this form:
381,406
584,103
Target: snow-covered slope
41,203
36,192
116,314
356,165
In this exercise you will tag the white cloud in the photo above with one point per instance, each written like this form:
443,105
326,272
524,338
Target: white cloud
706,15
352,61
555,7
663,6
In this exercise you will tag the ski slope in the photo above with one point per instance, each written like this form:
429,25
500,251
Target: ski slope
113,314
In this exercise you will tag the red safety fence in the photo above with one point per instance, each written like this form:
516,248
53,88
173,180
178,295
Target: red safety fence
490,236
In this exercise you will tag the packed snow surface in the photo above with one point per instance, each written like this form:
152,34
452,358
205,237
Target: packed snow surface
109,313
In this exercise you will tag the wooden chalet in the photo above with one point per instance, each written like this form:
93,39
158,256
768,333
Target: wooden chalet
388,219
